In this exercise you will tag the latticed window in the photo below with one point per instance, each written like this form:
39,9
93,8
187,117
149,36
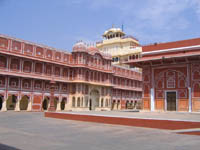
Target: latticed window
57,87
13,84
1,83
48,71
37,86
26,85
2,64
27,68
171,82
47,87
14,66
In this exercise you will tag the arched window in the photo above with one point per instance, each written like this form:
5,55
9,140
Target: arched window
171,80
3,62
73,102
78,102
102,102
106,103
86,76
86,102
82,102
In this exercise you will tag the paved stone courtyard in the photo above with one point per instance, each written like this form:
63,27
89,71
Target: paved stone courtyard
32,131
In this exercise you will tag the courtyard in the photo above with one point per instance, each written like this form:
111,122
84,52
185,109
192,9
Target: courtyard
32,131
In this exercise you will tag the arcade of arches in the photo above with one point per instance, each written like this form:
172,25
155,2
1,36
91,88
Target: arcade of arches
84,79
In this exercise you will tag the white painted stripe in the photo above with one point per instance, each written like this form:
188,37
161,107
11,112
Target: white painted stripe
172,49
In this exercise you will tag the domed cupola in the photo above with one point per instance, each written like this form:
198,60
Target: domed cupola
79,47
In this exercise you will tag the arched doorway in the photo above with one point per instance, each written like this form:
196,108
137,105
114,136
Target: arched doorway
24,103
63,102
113,105
1,101
45,103
118,104
11,102
94,99
127,104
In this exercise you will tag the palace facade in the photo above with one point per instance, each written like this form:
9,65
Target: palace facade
120,46
85,79
171,75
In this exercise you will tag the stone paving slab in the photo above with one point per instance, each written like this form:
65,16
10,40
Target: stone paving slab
32,131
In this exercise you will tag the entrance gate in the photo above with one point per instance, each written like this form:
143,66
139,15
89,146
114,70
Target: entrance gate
94,99
171,101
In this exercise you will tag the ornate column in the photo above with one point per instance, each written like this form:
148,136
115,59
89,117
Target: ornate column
4,108
58,108
18,102
52,106
30,103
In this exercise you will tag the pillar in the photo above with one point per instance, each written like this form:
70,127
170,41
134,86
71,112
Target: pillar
58,108
100,102
152,100
17,105
29,104
4,108
75,102
190,99
83,102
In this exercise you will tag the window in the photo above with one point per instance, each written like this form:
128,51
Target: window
14,66
73,102
48,71
37,86
106,102
1,83
26,85
13,84
2,45
102,102
56,87
47,86
86,102
170,83
171,80
78,102
16,48
64,88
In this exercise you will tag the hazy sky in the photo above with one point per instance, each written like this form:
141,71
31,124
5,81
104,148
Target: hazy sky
60,23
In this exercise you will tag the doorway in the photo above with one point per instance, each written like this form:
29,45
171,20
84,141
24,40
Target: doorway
11,102
171,101
94,99
24,103
90,105
45,103
1,101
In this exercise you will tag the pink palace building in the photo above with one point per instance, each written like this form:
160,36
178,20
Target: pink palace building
171,75
84,79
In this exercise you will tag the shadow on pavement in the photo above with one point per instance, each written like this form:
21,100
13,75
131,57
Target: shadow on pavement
6,147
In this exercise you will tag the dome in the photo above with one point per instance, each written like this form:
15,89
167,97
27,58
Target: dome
80,46
113,30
